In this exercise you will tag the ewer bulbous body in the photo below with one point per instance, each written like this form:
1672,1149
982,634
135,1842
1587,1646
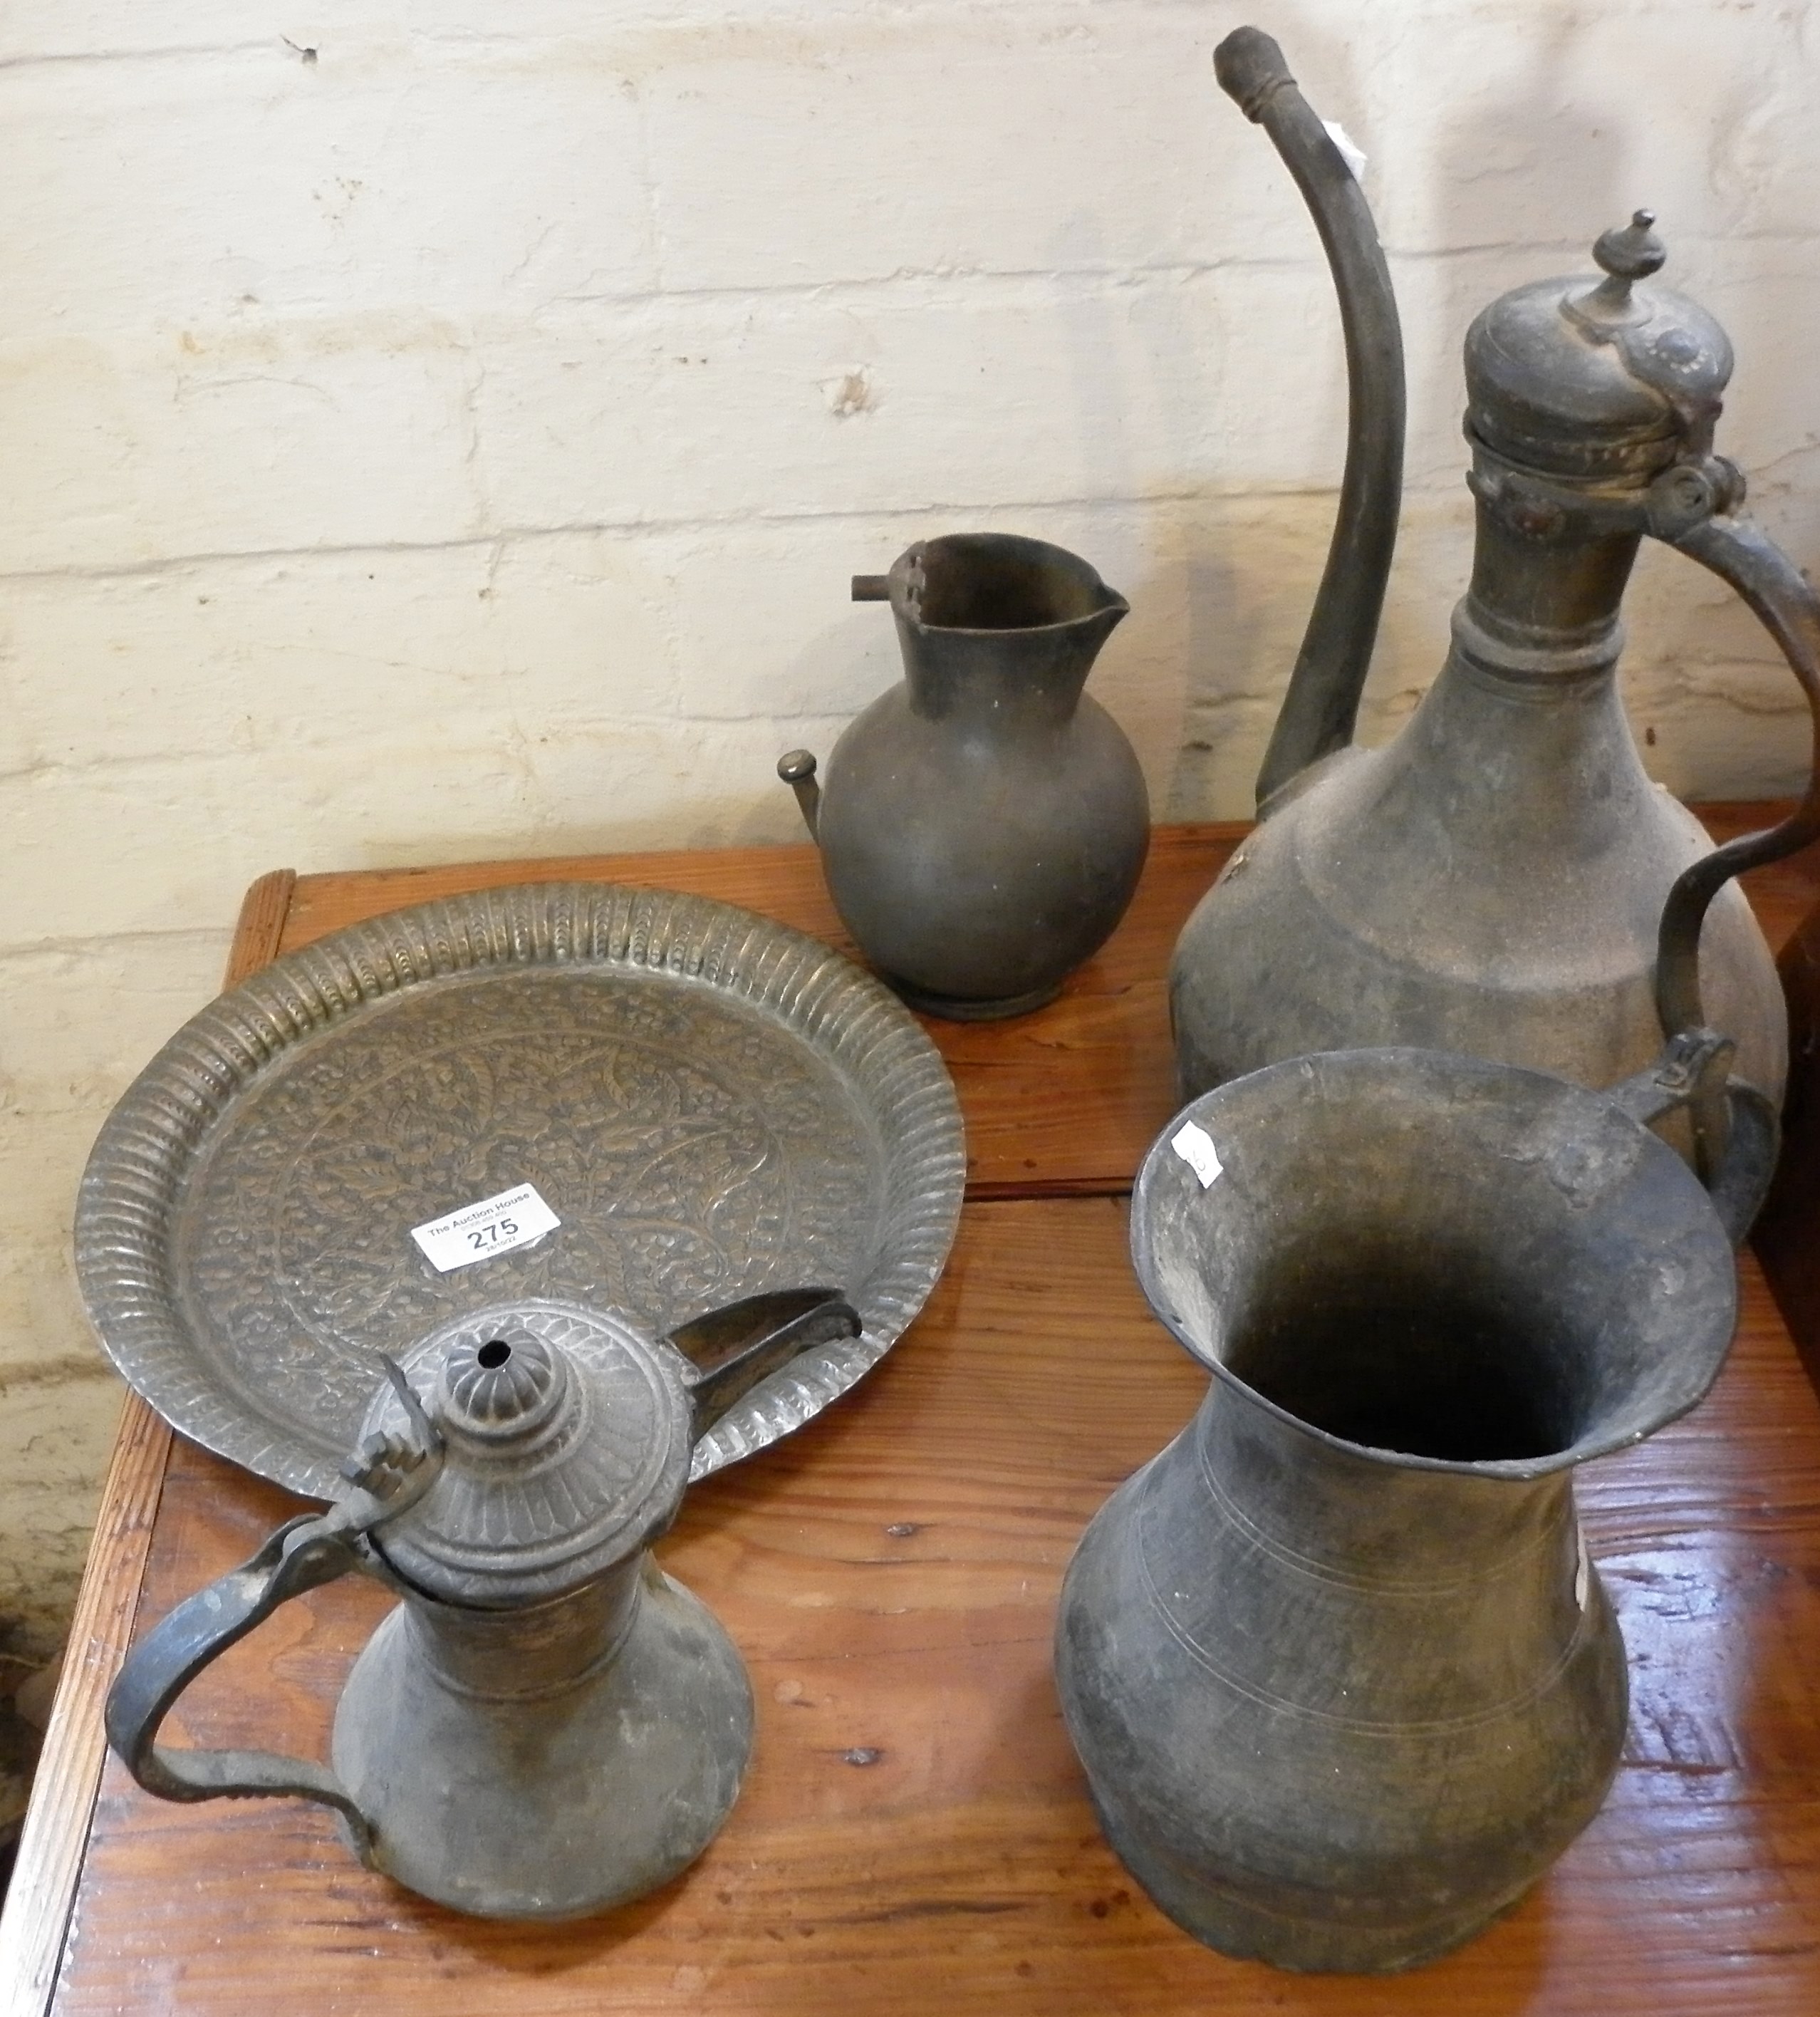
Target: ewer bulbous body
1493,882
1342,1675
982,825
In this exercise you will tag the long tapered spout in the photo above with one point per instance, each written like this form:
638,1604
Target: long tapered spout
1322,702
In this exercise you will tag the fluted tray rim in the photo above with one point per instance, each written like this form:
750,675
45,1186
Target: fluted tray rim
131,1187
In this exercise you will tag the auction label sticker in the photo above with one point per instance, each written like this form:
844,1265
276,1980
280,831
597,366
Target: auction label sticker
1195,1147
478,1231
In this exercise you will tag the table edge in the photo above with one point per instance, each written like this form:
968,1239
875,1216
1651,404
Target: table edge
47,1869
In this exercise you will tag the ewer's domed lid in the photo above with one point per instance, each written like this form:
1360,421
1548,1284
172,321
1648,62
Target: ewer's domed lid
1598,380
567,1438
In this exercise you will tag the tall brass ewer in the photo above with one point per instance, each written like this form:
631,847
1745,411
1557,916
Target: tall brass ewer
1492,880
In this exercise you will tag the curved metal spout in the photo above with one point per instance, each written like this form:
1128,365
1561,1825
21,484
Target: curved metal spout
797,768
1322,702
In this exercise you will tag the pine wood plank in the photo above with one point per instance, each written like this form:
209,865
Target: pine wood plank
1058,1104
913,1835
52,1845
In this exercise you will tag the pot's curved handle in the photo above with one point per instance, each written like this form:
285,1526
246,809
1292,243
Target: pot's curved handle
1692,1072
300,1556
390,1475
1692,508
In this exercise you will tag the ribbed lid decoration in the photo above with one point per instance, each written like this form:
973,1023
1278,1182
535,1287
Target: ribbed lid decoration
568,1435
1598,379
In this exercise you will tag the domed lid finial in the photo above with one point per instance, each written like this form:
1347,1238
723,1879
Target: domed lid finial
1605,380
1631,252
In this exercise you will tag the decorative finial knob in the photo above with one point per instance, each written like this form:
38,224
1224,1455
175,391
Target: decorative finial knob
1633,253
501,1383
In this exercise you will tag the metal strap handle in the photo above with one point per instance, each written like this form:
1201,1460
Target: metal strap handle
1743,555
1691,508
390,1476
300,1555
1692,1072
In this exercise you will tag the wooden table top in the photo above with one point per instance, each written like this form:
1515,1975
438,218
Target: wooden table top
914,1833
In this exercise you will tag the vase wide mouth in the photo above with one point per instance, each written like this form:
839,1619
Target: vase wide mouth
1436,1261
988,581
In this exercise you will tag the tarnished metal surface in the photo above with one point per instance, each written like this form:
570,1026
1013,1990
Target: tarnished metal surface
1492,881
712,1104
1342,1678
983,825
548,1726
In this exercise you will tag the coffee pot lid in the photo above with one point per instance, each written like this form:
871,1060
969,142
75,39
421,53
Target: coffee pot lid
1600,379
567,1435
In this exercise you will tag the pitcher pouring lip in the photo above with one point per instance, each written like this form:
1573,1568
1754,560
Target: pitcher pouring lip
999,628
1570,1252
994,582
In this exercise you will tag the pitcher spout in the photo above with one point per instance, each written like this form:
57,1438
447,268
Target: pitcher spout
996,623
797,768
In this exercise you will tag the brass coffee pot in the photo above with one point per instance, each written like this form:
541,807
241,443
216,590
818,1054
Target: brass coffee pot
1493,882
547,1725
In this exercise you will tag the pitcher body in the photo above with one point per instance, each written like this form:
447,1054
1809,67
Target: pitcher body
1337,1663
982,826
1334,1715
549,1763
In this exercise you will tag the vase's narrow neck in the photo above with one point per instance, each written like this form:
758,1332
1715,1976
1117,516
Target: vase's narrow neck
1364,1520
530,1650
1008,679
1549,571
1372,1597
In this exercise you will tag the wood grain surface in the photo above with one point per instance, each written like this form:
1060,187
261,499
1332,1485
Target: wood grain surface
957,1863
1063,1103
913,1836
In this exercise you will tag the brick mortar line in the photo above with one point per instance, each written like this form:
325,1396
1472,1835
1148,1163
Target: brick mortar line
653,528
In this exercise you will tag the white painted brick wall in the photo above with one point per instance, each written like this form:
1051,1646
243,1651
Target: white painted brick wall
458,443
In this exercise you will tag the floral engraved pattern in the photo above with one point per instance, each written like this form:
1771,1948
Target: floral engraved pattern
711,1104
694,1152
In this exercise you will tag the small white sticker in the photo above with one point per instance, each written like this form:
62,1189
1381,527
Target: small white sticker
1350,152
478,1231
1195,1147
1582,1574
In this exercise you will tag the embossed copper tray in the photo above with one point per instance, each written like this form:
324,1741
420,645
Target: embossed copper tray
712,1103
